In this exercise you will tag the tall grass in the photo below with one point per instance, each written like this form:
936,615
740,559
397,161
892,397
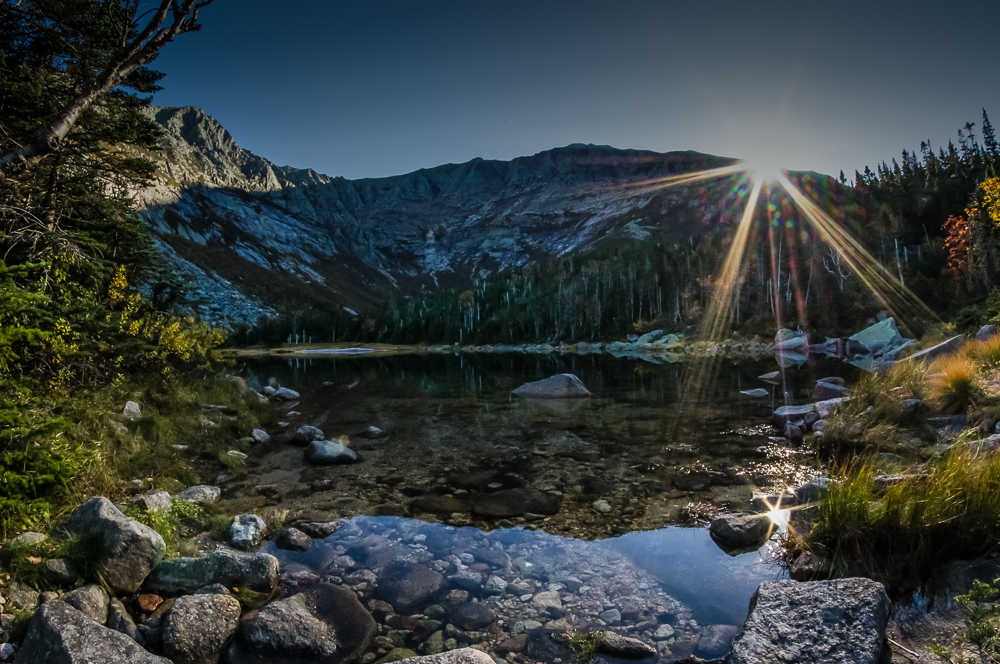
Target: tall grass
954,385
951,509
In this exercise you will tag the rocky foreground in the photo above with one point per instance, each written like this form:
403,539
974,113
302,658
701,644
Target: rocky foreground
373,591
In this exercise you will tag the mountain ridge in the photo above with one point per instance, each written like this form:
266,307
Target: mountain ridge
297,234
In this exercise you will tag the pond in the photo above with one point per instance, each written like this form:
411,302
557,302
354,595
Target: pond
583,498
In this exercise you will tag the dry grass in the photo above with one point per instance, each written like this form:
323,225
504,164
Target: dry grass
954,384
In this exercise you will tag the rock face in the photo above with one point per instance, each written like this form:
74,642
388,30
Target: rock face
740,530
195,630
824,622
129,549
257,571
324,624
59,634
560,386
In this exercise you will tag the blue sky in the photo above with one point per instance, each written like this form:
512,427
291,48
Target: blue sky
376,88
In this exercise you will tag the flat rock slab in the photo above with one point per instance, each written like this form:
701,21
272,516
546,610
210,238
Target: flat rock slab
820,622
560,386
59,634
789,413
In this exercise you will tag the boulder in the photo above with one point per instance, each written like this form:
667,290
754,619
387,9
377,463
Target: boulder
90,600
128,549
198,626
247,531
407,585
29,538
624,647
256,571
21,596
458,656
740,530
120,620
812,491
307,434
260,436
154,501
268,391
560,386
328,452
509,503
285,394
824,391
325,624
320,530
839,621
131,411
795,344
201,493
985,333
875,339
59,634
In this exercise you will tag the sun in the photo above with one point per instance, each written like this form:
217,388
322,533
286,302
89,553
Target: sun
763,168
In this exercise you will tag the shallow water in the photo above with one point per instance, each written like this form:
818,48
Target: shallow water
477,467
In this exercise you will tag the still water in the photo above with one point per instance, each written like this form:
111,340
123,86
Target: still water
577,504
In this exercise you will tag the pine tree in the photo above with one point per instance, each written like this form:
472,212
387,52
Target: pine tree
989,138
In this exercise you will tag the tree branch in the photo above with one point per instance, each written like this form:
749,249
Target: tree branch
139,51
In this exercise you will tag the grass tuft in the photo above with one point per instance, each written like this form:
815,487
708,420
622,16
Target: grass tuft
954,386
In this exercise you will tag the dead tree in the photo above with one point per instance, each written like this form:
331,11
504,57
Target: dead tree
837,271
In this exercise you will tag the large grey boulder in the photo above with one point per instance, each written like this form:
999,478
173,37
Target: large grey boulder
740,530
821,622
197,628
131,411
458,656
407,585
128,549
256,571
90,600
59,634
560,386
325,624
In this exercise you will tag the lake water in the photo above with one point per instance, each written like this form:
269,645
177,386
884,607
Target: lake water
584,499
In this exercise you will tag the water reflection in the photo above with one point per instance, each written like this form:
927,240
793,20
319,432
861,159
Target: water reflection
635,456
672,587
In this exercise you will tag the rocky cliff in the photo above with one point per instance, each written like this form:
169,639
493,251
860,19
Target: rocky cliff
255,237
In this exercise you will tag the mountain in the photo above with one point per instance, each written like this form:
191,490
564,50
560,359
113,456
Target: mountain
254,238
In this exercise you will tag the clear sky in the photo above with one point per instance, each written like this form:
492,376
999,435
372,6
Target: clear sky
374,88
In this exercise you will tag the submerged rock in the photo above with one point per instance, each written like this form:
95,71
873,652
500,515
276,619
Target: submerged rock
515,502
59,634
458,656
615,645
407,585
839,621
560,386
128,549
